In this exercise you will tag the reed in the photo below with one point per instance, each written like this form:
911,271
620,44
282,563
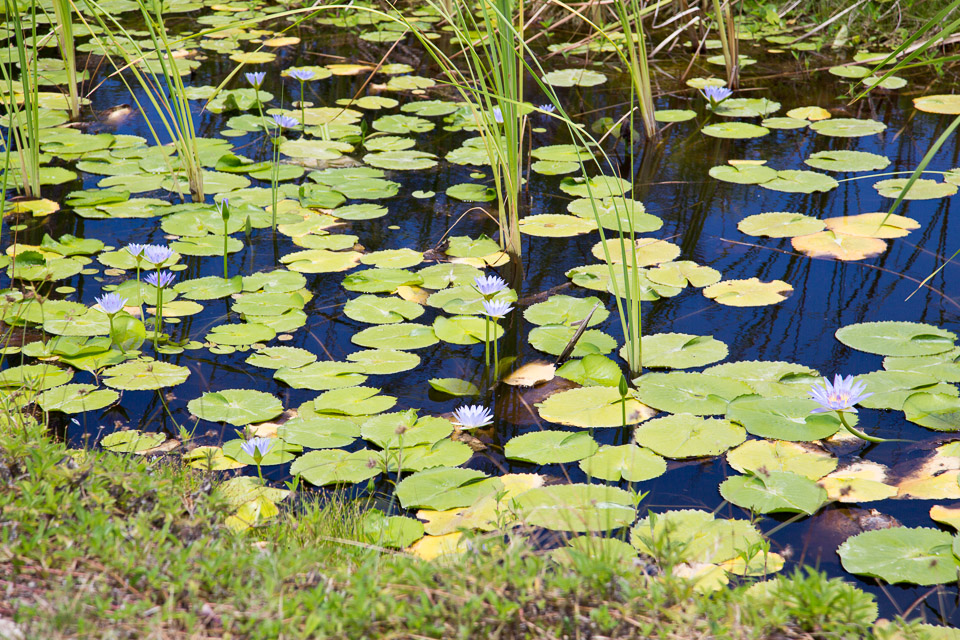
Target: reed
633,52
68,53
164,90
23,119
727,28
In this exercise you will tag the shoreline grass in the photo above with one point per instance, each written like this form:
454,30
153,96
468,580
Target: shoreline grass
101,545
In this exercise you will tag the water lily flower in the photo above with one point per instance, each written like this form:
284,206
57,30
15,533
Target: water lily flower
498,114
472,416
489,285
716,95
842,395
254,446
160,279
111,303
549,108
255,78
285,121
135,249
223,208
496,308
301,74
157,253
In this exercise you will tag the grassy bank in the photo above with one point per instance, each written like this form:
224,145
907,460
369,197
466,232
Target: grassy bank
99,545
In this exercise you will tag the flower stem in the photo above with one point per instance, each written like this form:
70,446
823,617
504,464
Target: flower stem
486,340
858,433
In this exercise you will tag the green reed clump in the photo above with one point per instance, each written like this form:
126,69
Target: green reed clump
23,107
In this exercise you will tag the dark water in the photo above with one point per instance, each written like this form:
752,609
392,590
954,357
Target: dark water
699,213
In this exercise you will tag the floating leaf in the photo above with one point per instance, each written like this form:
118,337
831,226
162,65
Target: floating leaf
743,174
748,293
131,441
381,310
551,447
891,389
858,482
319,433
574,78
947,104
688,436
403,336
921,189
782,418
682,273
735,130
279,357
454,386
592,370
568,310
900,554
746,108
774,492
335,466
780,224
238,407
890,338
693,536
352,401
938,411
626,462
555,225
553,338
843,160
140,375
809,461
76,398
769,378
384,361
695,393
872,225
280,452
795,181
577,507
847,127
322,376
394,531
680,350
444,488
592,407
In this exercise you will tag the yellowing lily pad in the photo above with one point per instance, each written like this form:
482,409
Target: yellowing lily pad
748,293
862,481
873,225
592,407
841,246
947,104
921,189
555,225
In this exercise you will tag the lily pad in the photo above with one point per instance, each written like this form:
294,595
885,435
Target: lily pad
774,492
319,433
847,127
131,441
922,189
563,309
782,418
335,466
76,398
574,78
872,225
444,488
688,436
938,411
695,393
238,407
381,310
947,104
592,407
577,507
795,181
680,350
551,447
322,376
780,224
626,462
748,293
843,160
734,130
555,225
840,246
553,338
890,338
142,375
912,555
806,460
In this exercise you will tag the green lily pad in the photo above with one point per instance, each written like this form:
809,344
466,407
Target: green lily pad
734,130
626,462
577,507
319,433
351,401
238,407
131,441
441,276
393,258
748,293
806,460
591,371
847,127
555,225
782,418
566,310
406,160
592,407
693,536
241,333
35,377
891,389
695,393
774,492
921,189
321,261
843,160
551,447
674,115
384,361
681,273
405,429
466,247
938,411
553,338
679,350
443,488
76,398
465,329
380,280
890,338
743,174
279,357
466,300
688,436
780,224
943,366
335,466
595,187
398,532
454,386
769,378
900,554
574,78
209,288
794,181
616,214
321,376
854,72
746,108
471,192
141,375
403,336
381,310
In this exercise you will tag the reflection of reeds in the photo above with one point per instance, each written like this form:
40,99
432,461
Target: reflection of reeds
164,90
23,133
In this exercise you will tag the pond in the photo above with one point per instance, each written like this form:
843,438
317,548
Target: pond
353,331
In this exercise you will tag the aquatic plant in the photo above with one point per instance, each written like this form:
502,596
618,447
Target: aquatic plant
164,90
160,280
493,310
282,122
23,130
727,29
633,52
302,75
257,448
224,208
68,53
715,95
840,397
472,416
